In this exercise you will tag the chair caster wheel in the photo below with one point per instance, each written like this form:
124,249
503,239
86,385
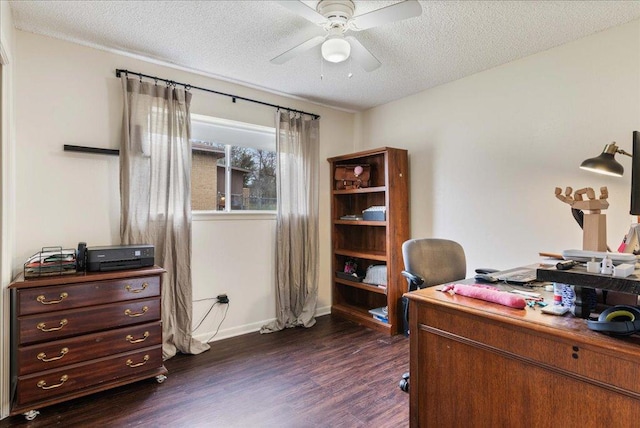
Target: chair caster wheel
404,385
31,415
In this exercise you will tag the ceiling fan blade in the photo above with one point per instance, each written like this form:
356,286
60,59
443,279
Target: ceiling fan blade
362,56
303,10
302,47
392,13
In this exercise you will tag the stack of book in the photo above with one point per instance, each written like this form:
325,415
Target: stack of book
380,314
352,217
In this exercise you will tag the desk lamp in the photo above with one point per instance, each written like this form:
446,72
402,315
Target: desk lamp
606,164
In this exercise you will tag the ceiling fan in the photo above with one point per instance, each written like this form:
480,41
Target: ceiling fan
337,17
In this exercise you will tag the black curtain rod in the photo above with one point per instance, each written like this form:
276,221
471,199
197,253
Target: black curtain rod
233,97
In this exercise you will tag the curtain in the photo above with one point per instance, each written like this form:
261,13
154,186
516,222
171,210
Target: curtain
297,141
155,197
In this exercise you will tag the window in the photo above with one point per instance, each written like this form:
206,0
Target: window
233,166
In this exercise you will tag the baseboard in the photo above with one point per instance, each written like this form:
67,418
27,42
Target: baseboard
325,310
246,328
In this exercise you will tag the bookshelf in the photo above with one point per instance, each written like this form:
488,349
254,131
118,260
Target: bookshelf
370,242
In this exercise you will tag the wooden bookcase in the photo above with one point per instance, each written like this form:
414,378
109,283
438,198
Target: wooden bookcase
371,242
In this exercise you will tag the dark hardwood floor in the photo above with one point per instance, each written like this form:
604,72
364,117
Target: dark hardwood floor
335,374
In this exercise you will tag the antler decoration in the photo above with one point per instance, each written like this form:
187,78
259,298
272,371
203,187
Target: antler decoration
577,201
594,226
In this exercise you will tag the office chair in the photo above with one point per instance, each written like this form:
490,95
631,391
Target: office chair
429,262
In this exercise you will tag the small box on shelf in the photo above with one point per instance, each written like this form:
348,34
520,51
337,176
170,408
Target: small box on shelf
375,213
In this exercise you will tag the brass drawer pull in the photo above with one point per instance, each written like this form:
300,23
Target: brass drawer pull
42,326
41,298
137,290
132,365
132,314
43,357
130,338
42,384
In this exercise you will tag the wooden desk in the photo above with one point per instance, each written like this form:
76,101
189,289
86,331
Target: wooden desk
480,364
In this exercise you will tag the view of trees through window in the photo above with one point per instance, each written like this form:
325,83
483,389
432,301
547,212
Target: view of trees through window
259,178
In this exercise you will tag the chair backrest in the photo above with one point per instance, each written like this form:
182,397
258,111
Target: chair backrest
437,261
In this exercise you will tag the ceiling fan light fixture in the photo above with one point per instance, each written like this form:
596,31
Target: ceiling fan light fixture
336,49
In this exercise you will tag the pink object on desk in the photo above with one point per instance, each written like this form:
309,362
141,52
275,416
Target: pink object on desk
488,293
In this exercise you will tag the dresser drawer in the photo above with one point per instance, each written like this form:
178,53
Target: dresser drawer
61,324
51,355
66,380
61,297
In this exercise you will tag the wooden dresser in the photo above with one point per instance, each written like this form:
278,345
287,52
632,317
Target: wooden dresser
475,363
73,335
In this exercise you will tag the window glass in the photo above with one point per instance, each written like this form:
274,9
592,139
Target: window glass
233,166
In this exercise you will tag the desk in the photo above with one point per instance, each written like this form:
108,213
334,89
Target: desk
478,364
581,279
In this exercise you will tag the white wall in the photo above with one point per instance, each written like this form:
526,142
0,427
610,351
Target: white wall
236,259
68,94
487,151
7,146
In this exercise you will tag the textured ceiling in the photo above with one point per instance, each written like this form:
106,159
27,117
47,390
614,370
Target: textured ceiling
234,40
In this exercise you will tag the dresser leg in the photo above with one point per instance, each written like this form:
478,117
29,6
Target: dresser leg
31,415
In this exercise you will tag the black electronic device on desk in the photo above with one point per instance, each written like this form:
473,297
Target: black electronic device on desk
119,257
584,281
520,275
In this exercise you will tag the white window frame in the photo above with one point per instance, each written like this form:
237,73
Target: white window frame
225,131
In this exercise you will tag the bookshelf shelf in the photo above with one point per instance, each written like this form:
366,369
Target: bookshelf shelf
361,223
360,316
361,285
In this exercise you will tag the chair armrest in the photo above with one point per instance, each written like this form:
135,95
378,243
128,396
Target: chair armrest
415,281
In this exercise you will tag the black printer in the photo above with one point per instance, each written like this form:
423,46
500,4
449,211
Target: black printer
118,257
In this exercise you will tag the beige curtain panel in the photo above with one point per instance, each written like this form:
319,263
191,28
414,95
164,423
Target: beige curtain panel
155,197
297,141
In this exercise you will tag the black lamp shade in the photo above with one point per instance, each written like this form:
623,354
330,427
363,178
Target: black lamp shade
606,164
603,164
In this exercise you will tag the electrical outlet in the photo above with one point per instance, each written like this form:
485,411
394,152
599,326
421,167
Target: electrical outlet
222,298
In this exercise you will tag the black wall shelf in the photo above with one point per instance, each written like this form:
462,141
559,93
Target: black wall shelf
93,150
